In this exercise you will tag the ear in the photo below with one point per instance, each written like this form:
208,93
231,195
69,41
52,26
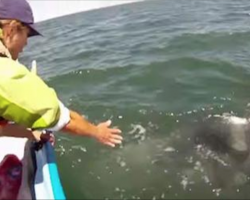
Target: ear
8,31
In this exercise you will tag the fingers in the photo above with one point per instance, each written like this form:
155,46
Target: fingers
115,131
109,136
117,137
108,123
116,141
109,144
112,140
52,140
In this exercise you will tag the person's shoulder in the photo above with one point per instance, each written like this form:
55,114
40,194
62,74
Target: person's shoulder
10,68
6,62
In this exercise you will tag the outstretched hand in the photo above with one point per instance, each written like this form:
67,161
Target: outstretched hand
108,136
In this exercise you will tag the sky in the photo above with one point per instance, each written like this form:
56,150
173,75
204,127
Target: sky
47,9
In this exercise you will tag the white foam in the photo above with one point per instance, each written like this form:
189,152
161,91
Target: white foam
238,120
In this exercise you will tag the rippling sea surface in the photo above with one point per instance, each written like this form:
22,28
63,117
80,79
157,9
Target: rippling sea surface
156,68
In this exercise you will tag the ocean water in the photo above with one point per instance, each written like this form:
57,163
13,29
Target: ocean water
156,69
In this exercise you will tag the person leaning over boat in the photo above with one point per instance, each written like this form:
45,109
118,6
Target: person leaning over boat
25,99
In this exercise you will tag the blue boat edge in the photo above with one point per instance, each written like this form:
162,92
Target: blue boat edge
57,188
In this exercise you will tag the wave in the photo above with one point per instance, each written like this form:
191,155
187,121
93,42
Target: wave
172,68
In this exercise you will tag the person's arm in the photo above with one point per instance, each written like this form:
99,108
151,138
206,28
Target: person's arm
28,101
14,130
78,125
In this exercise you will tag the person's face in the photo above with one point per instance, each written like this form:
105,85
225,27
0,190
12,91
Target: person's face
15,37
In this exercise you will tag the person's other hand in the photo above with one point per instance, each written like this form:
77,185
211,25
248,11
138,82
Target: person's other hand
48,137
